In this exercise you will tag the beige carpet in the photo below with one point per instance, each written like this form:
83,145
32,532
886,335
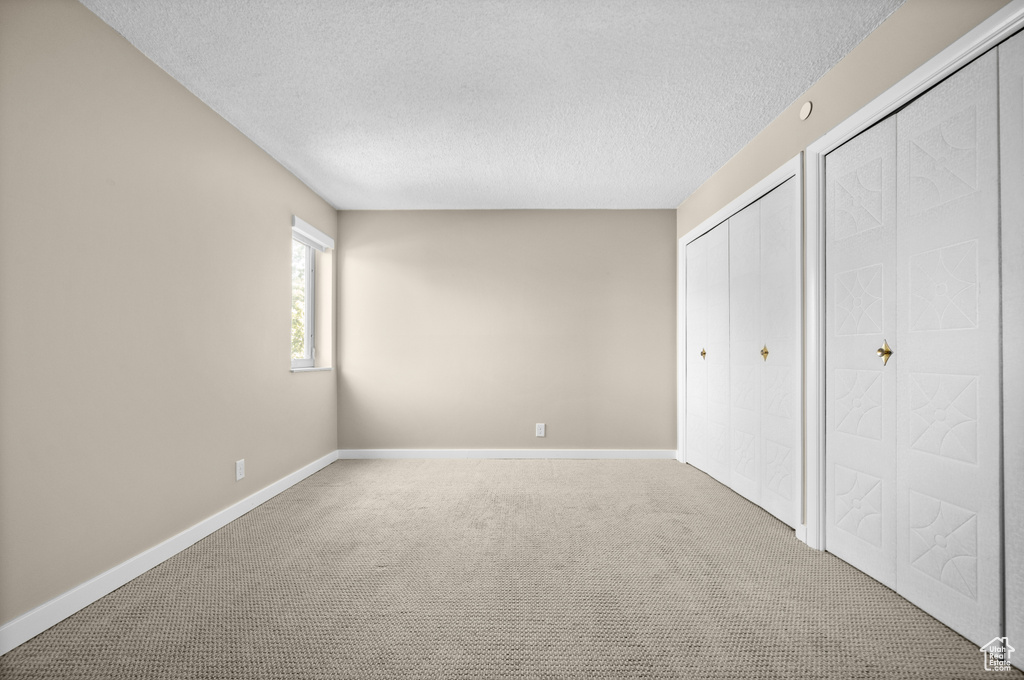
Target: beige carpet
501,569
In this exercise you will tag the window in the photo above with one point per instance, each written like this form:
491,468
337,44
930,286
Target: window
307,242
303,305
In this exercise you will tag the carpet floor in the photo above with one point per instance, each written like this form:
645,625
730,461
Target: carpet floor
501,569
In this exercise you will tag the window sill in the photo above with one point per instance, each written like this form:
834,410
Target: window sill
313,369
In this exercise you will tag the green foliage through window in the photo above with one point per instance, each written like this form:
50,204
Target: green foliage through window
300,255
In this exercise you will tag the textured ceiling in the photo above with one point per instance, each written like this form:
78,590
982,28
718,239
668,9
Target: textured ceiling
461,104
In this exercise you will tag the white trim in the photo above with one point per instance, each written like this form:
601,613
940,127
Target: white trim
799,483
27,626
986,35
801,532
577,454
681,350
312,369
814,356
306,241
793,168
310,235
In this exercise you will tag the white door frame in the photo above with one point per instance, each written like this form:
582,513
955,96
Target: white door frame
985,36
790,169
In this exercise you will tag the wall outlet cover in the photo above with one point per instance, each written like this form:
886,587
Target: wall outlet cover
239,469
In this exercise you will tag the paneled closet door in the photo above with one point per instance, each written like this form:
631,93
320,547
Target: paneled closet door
717,359
780,351
948,352
745,341
1011,154
696,343
860,316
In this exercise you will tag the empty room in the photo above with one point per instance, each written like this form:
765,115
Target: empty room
511,339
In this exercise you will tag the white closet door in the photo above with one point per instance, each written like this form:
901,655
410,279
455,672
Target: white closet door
696,343
1011,144
780,367
860,392
948,353
717,360
745,341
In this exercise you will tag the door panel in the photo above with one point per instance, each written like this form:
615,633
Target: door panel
947,358
717,359
696,342
860,392
745,341
780,369
1011,143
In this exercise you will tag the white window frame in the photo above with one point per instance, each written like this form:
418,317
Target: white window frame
315,240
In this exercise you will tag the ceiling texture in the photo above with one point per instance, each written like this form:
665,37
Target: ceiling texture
490,104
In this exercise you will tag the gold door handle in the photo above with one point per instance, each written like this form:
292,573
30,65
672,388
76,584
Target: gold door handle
885,352
703,353
764,352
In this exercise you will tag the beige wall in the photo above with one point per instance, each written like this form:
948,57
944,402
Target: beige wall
464,329
144,307
912,35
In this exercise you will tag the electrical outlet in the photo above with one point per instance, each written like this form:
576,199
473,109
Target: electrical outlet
541,428
239,469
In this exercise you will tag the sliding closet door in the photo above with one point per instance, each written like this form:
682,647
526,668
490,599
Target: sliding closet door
745,342
860,316
948,352
1011,145
717,358
696,343
780,351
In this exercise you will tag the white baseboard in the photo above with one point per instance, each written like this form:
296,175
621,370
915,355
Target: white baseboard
801,532
505,453
28,625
